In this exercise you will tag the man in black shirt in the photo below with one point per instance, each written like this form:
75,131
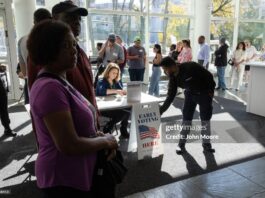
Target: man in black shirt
199,89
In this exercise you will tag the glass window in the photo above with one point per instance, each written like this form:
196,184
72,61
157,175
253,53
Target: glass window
223,8
167,31
220,29
253,32
3,50
40,2
127,27
254,9
80,3
82,40
128,5
181,7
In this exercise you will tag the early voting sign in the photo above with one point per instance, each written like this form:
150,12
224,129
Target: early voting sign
147,126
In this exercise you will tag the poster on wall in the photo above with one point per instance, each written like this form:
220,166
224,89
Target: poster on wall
148,131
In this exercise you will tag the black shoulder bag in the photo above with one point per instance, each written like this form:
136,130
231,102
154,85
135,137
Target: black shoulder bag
231,62
108,174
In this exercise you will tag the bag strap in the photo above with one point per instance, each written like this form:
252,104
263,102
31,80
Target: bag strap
50,75
69,87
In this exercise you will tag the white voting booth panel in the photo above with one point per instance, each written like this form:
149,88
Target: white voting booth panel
134,89
145,110
145,133
256,90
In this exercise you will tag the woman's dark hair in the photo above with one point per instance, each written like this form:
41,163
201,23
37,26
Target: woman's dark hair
173,46
187,41
157,46
41,14
99,45
167,62
45,41
244,46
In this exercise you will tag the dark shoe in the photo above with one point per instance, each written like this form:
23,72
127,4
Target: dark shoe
217,88
124,132
180,149
9,132
207,147
224,89
108,127
237,89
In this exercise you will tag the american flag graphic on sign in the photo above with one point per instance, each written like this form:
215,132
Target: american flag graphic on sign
148,132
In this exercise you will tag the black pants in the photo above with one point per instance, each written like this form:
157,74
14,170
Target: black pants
136,74
62,191
119,115
4,107
204,100
201,63
26,93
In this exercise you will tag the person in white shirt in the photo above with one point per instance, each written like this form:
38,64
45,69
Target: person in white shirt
204,52
38,16
251,54
239,57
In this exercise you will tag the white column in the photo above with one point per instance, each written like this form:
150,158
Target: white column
23,11
147,44
12,52
202,23
236,24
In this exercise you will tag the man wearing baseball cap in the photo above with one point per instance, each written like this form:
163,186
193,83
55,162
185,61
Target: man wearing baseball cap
81,76
68,12
111,51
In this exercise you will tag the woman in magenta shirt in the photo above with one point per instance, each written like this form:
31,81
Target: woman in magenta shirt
65,121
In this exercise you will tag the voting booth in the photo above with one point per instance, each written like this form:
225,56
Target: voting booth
134,89
145,128
145,133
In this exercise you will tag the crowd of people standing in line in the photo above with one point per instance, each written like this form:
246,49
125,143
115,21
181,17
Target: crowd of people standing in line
181,52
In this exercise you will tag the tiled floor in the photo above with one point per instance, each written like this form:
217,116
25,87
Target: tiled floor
242,180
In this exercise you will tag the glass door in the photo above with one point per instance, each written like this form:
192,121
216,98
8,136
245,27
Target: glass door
4,50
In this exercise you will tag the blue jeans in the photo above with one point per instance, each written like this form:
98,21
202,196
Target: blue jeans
136,74
221,77
154,82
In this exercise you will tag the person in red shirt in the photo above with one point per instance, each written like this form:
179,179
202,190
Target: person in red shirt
81,76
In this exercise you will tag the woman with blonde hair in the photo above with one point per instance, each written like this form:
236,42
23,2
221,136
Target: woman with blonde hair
108,85
186,53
